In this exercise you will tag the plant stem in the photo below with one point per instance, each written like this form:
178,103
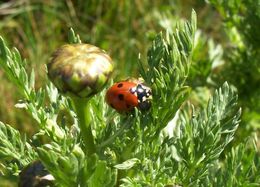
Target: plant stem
82,109
111,139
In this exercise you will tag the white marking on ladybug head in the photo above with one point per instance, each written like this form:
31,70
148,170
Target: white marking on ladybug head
140,90
133,90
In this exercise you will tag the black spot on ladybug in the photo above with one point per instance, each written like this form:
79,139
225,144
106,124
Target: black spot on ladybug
120,85
128,106
121,97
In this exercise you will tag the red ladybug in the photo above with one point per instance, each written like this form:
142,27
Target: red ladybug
125,95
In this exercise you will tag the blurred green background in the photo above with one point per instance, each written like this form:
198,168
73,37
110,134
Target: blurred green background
227,44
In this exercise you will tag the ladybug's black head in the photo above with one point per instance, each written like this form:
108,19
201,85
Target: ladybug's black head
144,95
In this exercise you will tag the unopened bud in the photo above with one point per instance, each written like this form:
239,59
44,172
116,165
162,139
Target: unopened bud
79,70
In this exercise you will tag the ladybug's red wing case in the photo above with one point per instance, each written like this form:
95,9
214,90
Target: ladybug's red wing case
120,98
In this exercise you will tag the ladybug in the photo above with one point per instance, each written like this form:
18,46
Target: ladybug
125,95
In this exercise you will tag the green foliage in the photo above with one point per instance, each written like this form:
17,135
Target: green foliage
133,149
241,57
240,168
168,64
72,37
73,168
33,101
241,20
15,152
202,137
207,57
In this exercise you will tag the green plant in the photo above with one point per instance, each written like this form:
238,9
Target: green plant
29,26
133,149
241,57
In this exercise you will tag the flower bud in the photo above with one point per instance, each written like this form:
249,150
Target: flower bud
79,70
35,174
